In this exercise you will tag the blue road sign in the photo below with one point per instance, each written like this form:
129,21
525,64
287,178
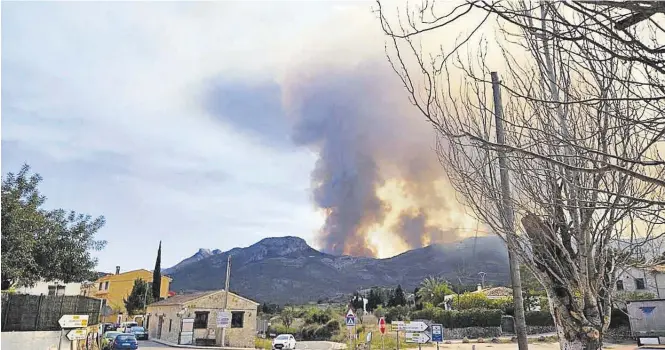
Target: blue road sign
437,333
350,321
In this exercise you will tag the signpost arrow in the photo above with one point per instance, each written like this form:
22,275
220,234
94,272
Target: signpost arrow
77,334
414,327
73,321
417,337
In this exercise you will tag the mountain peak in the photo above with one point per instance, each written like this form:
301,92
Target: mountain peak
204,252
291,241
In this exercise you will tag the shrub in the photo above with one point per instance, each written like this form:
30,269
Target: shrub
461,318
544,304
397,313
282,329
317,316
471,301
333,326
380,312
322,333
538,318
500,304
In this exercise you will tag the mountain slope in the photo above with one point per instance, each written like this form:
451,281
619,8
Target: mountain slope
287,270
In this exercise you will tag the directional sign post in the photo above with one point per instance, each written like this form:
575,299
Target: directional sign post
414,327
77,334
417,337
73,321
350,319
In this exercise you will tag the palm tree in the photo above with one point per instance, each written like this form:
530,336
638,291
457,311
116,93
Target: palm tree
428,287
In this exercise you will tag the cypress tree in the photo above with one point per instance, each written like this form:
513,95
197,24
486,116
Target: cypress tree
157,274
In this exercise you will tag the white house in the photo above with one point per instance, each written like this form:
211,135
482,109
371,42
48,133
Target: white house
648,279
51,288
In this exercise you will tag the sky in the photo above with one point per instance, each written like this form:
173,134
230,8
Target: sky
175,120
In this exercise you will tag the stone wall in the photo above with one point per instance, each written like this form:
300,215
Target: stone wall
619,333
471,332
540,329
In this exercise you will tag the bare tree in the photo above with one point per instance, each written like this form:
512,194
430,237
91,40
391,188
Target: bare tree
583,119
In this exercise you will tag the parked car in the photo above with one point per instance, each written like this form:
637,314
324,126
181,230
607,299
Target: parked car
125,341
126,327
140,333
284,341
108,338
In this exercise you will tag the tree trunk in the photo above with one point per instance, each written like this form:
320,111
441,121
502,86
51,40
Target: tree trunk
576,331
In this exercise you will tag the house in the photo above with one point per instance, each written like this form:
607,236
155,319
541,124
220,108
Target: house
495,292
51,288
192,319
113,289
647,279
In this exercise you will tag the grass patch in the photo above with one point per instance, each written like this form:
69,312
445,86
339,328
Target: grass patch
261,343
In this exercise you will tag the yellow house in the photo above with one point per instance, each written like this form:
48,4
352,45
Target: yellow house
113,289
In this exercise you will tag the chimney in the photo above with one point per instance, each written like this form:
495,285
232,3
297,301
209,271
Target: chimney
479,287
117,270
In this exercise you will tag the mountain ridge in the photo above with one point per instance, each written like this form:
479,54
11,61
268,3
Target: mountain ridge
288,270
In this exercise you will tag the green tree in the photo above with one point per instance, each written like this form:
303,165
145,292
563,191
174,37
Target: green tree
43,244
397,297
357,301
157,275
139,298
287,315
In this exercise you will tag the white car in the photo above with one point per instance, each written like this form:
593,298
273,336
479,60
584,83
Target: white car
284,341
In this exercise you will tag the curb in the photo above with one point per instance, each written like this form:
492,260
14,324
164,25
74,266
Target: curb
163,342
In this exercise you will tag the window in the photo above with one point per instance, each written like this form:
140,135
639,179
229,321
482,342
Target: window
639,283
619,285
170,323
56,290
106,285
237,318
201,319
100,285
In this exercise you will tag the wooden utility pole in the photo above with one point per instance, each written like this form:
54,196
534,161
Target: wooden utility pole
508,217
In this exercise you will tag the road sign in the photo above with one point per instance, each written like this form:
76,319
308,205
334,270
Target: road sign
350,318
73,321
350,321
414,327
416,337
368,338
397,325
77,334
223,319
382,325
437,333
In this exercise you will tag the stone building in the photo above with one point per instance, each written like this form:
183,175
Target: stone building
172,319
648,279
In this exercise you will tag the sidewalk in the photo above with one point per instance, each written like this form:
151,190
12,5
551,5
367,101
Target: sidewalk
173,345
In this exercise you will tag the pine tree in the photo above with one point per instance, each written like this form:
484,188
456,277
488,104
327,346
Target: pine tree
157,274
139,298
399,297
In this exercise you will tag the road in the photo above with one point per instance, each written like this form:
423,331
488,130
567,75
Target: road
303,345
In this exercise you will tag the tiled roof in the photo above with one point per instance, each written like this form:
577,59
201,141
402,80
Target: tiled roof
497,292
659,268
184,298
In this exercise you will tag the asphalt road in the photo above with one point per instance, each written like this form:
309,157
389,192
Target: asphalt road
303,345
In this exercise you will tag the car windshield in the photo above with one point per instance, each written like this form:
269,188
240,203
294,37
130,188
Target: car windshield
137,329
125,337
283,337
111,334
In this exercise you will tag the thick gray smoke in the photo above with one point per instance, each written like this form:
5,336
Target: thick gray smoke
366,134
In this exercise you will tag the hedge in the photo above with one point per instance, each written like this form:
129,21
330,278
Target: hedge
461,318
538,318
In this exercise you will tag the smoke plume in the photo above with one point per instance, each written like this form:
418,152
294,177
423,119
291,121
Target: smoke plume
376,170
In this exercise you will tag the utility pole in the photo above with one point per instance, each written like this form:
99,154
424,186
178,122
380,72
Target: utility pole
226,294
509,217
482,278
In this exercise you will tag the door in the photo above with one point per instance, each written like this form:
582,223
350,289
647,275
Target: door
160,323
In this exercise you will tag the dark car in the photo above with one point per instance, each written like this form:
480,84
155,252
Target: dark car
125,341
139,332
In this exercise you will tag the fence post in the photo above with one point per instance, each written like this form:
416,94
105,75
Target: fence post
39,309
